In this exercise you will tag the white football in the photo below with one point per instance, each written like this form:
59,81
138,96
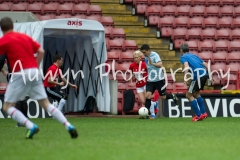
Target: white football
143,112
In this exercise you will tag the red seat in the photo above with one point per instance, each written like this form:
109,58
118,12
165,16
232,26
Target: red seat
217,67
141,8
197,11
5,6
165,22
169,2
170,78
227,2
213,2
226,11
184,2
153,13
224,22
233,57
231,87
212,11
46,17
192,45
94,17
115,45
237,11
206,45
234,67
126,56
199,2
221,45
223,34
129,45
178,42
235,23
80,8
124,66
234,45
195,22
107,21
166,32
180,87
168,11
121,87
155,2
19,7
112,64
194,33
118,33
208,33
66,8
35,8
81,16
236,3
94,10
210,22
113,55
179,33
108,32
183,10
62,16
49,8
180,22
219,56
205,55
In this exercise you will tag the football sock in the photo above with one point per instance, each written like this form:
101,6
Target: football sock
57,114
201,104
61,104
169,96
152,108
148,103
19,117
194,105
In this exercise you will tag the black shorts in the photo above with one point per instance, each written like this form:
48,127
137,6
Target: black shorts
194,86
55,94
152,86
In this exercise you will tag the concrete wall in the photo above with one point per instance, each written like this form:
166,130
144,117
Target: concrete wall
19,16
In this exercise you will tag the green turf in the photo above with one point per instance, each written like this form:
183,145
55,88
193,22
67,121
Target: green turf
123,139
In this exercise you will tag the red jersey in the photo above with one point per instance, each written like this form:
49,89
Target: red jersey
140,74
55,70
18,46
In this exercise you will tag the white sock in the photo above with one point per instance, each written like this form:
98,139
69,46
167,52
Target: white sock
19,117
61,104
152,108
57,114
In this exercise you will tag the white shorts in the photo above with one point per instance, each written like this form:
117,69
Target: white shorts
19,86
141,89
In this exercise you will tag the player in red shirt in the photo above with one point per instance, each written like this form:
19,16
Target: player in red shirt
26,78
139,70
50,84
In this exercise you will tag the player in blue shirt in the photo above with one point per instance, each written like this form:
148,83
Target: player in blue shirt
156,78
198,69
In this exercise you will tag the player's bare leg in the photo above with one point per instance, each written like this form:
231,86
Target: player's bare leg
57,114
18,116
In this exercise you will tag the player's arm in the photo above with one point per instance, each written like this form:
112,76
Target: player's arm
206,66
70,84
158,64
50,80
5,73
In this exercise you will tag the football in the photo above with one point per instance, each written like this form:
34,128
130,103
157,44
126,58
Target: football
143,112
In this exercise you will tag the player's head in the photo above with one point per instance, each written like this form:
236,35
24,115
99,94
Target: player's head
184,48
6,24
58,60
137,56
145,49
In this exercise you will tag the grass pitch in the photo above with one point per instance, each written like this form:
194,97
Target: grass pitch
124,139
